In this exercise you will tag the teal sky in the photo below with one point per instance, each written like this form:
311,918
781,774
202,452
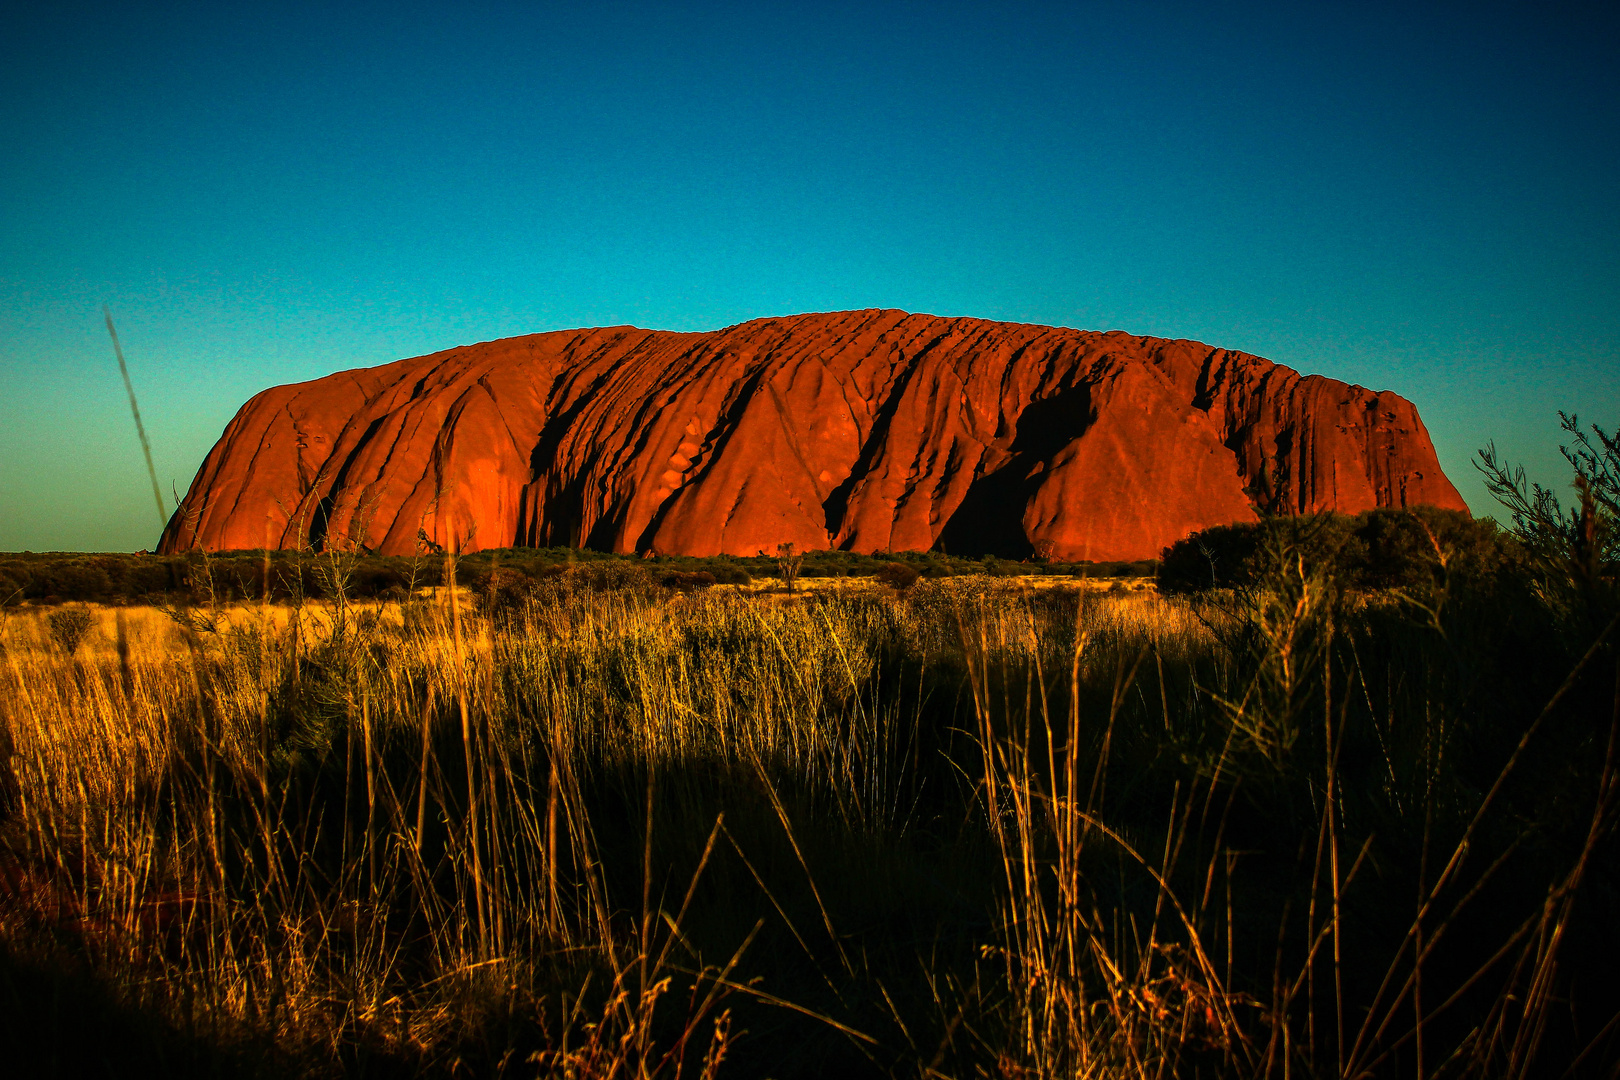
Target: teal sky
1426,200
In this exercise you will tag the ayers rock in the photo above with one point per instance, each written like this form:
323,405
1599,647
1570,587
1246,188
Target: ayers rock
861,430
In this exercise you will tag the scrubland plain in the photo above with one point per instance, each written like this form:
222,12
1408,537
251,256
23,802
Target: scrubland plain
593,827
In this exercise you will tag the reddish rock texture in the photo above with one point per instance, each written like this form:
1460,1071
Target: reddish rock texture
862,430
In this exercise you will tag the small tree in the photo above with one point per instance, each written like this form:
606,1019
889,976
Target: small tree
789,560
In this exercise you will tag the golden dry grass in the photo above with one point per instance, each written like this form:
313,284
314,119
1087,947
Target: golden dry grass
976,828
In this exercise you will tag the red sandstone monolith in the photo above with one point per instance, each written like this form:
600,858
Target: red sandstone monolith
861,430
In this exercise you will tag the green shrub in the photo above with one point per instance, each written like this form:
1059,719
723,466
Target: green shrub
730,573
501,592
376,580
687,580
1411,550
898,575
78,580
1213,558
1415,548
611,576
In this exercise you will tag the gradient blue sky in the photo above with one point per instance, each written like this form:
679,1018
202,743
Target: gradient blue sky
1421,200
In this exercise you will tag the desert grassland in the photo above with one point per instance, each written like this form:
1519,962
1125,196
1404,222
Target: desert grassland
980,827
148,628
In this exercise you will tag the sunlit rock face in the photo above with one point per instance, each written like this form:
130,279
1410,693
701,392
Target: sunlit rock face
860,430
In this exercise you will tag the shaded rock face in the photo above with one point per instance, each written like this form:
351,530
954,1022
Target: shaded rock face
864,430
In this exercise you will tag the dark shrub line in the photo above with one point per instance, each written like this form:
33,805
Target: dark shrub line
139,578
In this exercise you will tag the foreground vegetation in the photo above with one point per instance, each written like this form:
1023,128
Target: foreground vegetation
590,825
